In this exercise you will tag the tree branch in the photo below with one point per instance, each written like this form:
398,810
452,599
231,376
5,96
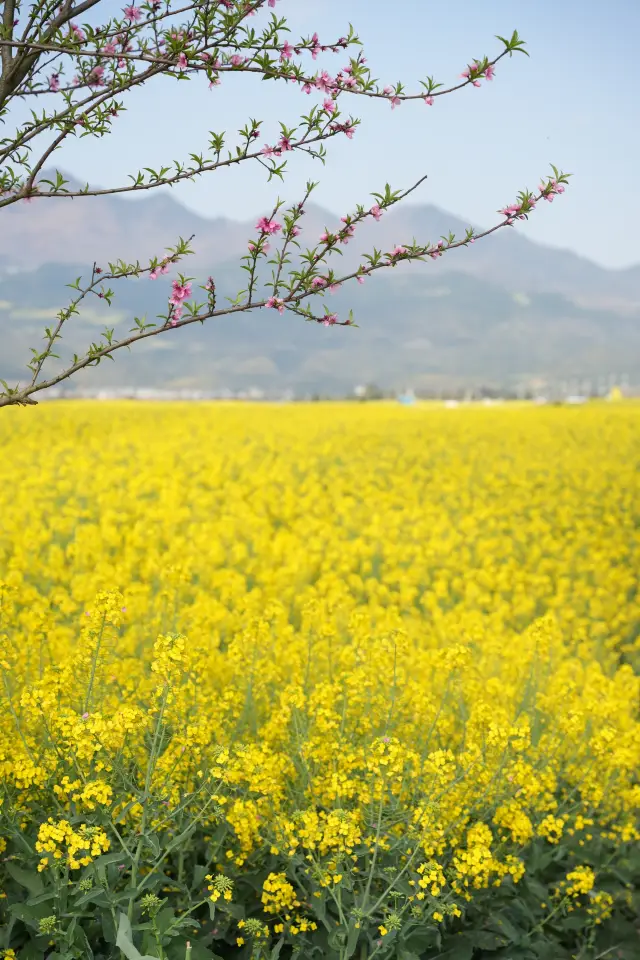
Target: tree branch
17,396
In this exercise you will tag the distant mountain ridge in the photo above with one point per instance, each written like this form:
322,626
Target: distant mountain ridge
502,309
110,227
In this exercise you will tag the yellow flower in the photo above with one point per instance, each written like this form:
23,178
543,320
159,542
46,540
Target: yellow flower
309,591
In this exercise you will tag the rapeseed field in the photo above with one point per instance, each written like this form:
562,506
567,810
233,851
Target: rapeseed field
323,680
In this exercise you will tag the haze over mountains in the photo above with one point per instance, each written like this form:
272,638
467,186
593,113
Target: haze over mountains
501,311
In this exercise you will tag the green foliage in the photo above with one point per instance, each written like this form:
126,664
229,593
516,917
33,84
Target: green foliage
169,913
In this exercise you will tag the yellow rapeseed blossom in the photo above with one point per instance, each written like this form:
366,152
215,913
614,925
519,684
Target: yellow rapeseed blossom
324,634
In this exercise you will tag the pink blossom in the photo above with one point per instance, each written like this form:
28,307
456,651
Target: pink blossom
122,63
54,82
330,319
333,287
349,131
284,144
376,211
329,105
176,314
395,102
388,91
306,88
272,3
109,48
348,232
469,70
265,225
318,282
398,251
85,716
78,32
295,231
153,275
490,72
214,83
276,303
324,82
179,292
429,101
477,83
286,52
360,278
182,61
132,13
267,151
95,78
236,60
326,237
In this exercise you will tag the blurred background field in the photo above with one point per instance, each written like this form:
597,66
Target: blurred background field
423,516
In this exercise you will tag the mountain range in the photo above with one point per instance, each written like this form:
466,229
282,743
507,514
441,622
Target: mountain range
501,311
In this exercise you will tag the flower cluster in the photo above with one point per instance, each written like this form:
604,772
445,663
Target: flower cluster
75,847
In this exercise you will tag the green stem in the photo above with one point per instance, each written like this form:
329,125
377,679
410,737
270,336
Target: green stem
94,666
145,798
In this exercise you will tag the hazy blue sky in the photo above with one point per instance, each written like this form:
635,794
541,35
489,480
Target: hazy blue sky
574,102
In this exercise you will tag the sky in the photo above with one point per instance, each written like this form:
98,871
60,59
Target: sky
574,102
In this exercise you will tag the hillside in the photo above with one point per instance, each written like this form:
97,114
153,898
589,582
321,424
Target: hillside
502,310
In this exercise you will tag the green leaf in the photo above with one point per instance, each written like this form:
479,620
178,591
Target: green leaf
462,950
31,915
502,925
97,896
275,953
487,941
353,935
26,878
31,951
125,943
199,874
164,919
42,898
108,928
